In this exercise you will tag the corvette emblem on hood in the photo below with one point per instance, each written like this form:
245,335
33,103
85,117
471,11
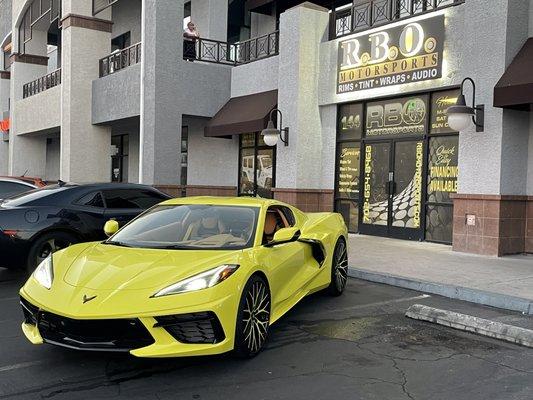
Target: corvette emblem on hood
87,299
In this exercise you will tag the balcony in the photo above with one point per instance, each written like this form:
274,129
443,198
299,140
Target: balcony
120,60
41,84
214,51
358,17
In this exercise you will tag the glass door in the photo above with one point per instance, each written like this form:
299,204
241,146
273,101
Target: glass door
392,188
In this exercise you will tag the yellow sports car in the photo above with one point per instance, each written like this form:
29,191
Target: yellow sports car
192,276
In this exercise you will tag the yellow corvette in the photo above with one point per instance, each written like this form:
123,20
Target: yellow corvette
192,276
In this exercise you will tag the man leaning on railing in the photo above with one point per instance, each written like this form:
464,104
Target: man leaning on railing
190,36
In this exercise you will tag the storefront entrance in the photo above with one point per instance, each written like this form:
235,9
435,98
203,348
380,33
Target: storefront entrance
397,165
392,196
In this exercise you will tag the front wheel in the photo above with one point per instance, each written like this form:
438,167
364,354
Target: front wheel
339,269
45,245
253,318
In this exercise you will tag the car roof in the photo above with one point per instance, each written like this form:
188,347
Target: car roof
17,180
226,201
104,185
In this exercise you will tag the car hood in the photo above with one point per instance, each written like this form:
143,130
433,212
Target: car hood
108,267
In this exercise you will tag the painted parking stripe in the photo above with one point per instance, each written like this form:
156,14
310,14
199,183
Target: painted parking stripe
20,366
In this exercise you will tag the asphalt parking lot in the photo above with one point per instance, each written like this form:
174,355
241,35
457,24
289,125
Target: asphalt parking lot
358,346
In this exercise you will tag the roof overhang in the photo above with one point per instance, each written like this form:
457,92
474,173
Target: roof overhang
515,88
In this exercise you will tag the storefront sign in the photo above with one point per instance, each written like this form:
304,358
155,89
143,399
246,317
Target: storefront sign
404,116
440,102
348,178
411,52
367,185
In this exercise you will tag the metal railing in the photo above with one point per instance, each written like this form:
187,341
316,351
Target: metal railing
215,51
361,16
41,84
120,60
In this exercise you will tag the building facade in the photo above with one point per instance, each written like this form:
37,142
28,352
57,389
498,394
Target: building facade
104,90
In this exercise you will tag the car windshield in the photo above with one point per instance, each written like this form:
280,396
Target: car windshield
33,195
190,226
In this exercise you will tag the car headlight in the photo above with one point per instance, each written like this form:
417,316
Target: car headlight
44,273
201,281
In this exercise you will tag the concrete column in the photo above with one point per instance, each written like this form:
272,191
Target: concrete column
300,165
211,18
4,113
160,126
27,153
85,148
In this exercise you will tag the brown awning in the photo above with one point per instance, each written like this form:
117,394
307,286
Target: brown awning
515,87
245,114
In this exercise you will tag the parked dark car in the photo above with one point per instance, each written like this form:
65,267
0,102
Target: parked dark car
36,223
11,186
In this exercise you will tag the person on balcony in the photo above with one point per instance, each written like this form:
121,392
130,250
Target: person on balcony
190,36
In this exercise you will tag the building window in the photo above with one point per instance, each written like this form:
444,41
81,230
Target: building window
184,159
119,158
256,166
121,42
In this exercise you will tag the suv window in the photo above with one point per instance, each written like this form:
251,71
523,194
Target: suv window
132,198
93,199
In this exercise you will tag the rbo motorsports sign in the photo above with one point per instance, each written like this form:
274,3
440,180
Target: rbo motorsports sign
411,52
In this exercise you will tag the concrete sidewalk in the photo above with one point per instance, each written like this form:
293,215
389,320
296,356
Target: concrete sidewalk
432,268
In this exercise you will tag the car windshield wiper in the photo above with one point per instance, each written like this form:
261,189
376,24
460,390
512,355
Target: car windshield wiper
116,243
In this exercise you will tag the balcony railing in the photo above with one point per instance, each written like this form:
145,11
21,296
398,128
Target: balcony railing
361,16
215,51
120,60
41,84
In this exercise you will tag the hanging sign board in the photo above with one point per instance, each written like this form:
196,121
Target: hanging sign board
410,52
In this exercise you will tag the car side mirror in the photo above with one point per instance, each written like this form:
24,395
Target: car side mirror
110,227
284,235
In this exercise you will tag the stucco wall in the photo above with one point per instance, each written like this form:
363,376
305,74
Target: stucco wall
255,77
127,18
5,18
116,96
211,161
41,112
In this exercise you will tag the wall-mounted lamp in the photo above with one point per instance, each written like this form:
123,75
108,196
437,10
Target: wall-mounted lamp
271,133
460,116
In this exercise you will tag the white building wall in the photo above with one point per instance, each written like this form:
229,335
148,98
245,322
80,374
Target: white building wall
211,161
53,154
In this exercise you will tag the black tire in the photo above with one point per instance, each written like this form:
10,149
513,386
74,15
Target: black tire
339,269
46,244
253,318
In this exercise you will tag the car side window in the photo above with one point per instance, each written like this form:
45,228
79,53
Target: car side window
132,198
8,189
93,199
289,215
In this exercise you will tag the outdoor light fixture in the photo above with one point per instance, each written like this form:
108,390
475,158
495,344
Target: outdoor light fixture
271,133
460,116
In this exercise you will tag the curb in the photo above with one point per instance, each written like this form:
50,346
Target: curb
478,296
468,323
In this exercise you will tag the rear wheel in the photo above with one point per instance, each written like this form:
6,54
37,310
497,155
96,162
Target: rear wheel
339,269
45,245
253,318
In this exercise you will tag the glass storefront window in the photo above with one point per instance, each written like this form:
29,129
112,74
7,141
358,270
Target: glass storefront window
350,125
350,212
440,102
256,166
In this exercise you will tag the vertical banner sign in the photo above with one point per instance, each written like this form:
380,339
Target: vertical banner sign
411,52
366,192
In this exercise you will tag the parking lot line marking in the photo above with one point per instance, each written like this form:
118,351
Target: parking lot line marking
9,298
20,366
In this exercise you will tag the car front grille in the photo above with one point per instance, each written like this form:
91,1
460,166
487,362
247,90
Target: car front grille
201,327
102,335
